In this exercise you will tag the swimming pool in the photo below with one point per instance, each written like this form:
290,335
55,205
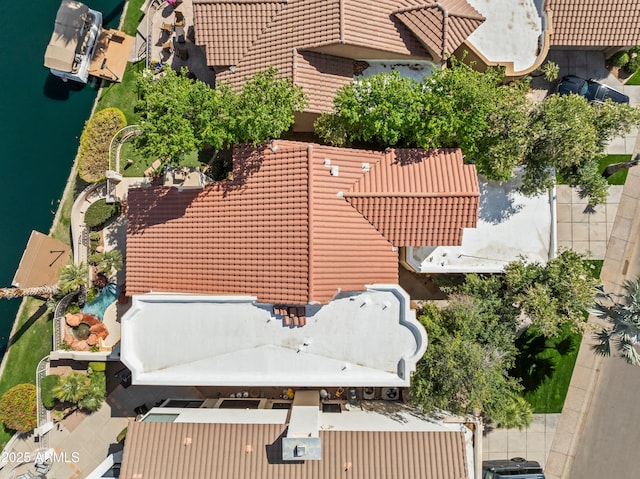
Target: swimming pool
98,306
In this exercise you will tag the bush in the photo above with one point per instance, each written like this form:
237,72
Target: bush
634,60
620,59
47,388
18,409
97,391
99,212
98,366
93,154
94,236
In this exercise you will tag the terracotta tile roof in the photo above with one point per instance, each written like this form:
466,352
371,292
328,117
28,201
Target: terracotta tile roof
338,28
229,451
317,74
285,230
595,23
245,18
417,197
441,26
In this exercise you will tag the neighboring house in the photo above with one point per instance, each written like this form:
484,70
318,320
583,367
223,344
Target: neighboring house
606,25
298,258
298,443
510,226
322,44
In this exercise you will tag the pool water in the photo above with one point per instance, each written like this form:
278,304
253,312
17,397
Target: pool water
106,297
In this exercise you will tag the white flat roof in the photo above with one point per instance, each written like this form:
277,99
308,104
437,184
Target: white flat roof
370,338
510,32
510,225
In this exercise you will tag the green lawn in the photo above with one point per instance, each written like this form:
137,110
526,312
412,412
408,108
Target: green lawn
141,162
123,95
133,17
32,341
634,79
545,366
617,178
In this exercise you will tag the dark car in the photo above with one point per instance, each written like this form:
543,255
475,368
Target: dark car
516,468
590,89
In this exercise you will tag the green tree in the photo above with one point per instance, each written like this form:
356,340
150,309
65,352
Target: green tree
18,409
623,313
73,277
569,134
554,294
466,365
265,107
107,262
72,387
96,393
181,115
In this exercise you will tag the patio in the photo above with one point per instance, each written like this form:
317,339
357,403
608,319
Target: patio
171,33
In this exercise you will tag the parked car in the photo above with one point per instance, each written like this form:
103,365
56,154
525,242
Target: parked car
590,89
516,468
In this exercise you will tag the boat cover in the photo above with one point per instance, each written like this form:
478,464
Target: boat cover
62,46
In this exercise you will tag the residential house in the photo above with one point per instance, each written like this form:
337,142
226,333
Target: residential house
288,272
606,25
322,44
302,442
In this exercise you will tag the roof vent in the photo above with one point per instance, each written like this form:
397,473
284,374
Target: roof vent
273,147
232,68
300,451
366,167
340,194
334,170
327,162
187,441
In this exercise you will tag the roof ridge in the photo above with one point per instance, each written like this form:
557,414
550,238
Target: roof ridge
446,12
310,225
409,194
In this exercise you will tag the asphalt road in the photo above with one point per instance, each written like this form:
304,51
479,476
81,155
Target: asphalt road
608,447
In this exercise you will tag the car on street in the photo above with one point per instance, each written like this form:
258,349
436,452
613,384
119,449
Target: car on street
515,468
592,90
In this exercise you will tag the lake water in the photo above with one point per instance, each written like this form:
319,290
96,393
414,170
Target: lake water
43,119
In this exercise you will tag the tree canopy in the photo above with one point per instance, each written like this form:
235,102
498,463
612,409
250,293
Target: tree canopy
543,297
466,364
623,313
493,123
181,115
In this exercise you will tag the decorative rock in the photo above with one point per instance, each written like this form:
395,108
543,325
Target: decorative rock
69,339
73,320
92,340
100,249
90,319
100,330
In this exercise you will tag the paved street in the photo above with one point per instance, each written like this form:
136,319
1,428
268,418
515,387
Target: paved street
611,434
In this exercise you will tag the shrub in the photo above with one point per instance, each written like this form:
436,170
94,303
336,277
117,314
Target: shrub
98,366
99,212
634,60
18,409
47,388
93,154
94,236
97,391
620,59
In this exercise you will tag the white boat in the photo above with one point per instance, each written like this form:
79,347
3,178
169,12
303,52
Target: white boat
73,42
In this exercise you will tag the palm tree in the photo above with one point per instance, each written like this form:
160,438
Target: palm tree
72,387
39,291
73,277
624,315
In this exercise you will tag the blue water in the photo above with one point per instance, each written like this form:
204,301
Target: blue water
42,121
106,297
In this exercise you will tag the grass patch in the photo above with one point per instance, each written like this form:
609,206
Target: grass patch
62,229
619,177
634,79
30,343
545,366
128,151
132,17
124,95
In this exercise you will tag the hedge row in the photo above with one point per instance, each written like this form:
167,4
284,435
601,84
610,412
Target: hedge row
93,155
